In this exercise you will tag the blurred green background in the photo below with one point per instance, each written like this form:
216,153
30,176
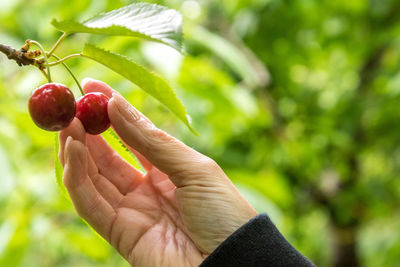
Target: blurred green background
297,100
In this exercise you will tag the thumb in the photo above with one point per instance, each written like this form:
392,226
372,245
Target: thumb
181,163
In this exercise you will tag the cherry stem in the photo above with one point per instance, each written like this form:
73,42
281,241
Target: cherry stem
64,59
70,72
62,37
45,58
44,73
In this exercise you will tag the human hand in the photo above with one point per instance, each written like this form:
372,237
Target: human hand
175,214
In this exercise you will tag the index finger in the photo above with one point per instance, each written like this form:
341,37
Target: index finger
183,164
90,85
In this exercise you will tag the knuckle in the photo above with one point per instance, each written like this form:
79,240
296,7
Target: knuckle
209,164
91,207
156,140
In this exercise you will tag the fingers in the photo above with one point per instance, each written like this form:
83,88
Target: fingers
104,186
77,132
111,165
151,145
90,85
183,164
89,204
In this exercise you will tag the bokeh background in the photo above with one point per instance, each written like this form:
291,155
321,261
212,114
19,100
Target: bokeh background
298,101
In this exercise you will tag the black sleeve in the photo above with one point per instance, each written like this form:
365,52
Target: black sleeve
257,243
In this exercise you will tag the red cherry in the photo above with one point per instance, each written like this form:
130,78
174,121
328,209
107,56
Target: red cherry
91,110
52,106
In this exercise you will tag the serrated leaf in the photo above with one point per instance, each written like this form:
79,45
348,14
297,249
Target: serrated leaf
150,82
144,20
115,142
59,169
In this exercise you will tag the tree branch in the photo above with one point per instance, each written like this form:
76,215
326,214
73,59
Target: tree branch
17,55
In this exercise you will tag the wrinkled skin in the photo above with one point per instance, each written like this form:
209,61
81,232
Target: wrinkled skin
175,214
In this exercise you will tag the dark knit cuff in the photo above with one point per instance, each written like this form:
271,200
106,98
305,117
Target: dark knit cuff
257,243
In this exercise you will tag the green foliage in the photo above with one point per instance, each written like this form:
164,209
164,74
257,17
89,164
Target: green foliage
326,124
229,53
115,142
152,22
58,169
150,82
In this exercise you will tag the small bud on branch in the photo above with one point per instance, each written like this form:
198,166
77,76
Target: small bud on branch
33,54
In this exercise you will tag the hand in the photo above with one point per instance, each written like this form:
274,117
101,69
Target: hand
175,214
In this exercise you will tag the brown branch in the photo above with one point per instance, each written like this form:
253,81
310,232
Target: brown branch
17,55
367,75
262,74
367,71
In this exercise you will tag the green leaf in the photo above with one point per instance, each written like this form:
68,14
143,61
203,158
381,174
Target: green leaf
150,82
59,169
115,142
148,21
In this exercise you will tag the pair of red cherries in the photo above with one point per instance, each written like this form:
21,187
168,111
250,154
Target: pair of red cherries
52,107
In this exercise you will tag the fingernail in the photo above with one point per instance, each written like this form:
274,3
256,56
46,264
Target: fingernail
86,80
116,94
126,109
69,139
